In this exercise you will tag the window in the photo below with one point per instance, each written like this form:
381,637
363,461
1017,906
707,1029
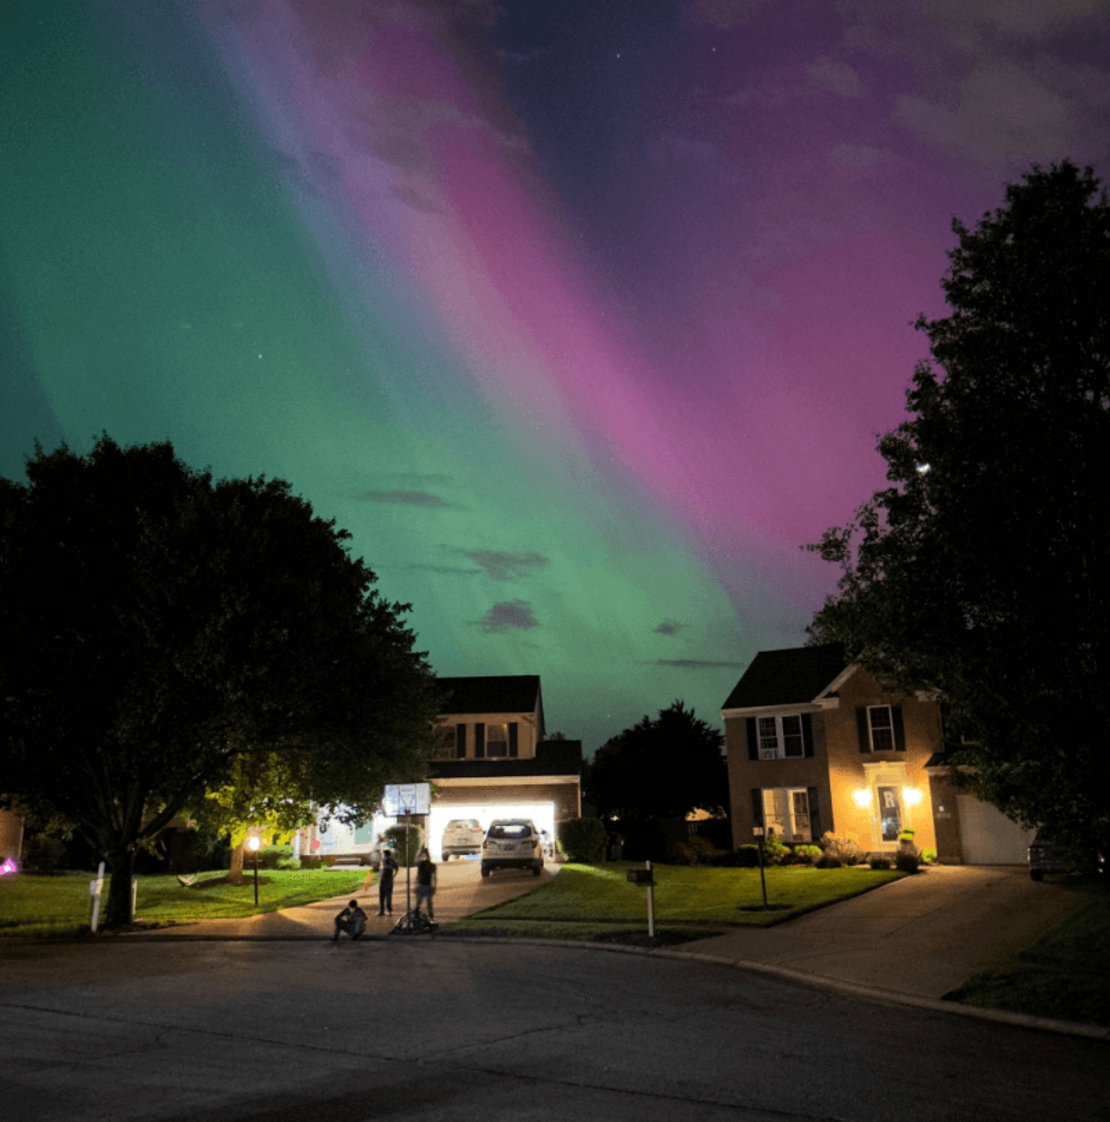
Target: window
881,728
778,737
445,747
786,813
497,741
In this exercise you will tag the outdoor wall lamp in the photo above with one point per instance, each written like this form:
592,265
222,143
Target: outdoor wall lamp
862,797
911,795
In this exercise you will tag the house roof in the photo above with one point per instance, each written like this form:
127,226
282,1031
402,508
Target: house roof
553,757
788,677
507,693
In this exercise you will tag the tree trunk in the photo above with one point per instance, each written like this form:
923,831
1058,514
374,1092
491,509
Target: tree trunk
235,874
117,911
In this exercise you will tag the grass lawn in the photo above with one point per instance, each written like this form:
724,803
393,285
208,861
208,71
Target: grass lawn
591,901
1065,974
33,905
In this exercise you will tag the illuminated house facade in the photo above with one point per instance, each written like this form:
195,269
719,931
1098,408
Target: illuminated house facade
816,744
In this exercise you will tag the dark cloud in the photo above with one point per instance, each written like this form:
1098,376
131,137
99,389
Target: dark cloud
402,498
669,627
697,664
509,614
502,565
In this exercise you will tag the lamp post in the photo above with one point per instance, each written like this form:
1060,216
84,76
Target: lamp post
253,845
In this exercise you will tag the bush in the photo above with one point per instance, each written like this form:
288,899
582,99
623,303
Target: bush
695,850
746,857
271,856
879,861
906,862
582,839
929,856
774,849
42,854
406,841
843,847
828,861
680,853
809,852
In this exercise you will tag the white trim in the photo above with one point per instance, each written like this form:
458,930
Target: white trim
775,710
505,781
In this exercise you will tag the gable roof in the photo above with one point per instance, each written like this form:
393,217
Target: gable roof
507,693
788,677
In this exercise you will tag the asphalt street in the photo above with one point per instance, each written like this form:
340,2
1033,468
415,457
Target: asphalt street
444,1029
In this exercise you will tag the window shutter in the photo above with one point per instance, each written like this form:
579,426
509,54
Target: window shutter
899,728
864,729
753,740
460,741
807,733
757,806
815,827
480,740
512,738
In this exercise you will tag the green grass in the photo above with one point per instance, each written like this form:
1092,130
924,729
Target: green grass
1064,975
590,901
32,905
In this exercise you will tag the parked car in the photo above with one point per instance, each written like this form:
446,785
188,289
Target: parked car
1043,858
512,843
462,836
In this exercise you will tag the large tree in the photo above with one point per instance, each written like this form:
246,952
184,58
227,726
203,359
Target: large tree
982,569
160,627
661,768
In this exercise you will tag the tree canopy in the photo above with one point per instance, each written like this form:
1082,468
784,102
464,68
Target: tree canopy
162,627
661,768
982,569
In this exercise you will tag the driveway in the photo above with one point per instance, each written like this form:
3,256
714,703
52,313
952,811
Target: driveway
923,935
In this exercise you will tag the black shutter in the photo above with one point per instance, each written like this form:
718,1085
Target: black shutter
479,741
899,728
757,806
460,741
814,814
864,729
807,733
753,740
512,739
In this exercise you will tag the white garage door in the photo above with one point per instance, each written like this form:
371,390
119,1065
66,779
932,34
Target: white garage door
989,837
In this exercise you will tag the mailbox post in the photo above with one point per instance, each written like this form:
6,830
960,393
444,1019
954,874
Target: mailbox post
644,878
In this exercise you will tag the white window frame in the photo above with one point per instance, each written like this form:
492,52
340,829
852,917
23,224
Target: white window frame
789,830
779,752
490,741
888,729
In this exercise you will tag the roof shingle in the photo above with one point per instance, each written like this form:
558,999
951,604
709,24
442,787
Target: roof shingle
788,677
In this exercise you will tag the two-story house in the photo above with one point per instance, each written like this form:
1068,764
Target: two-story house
816,744
494,761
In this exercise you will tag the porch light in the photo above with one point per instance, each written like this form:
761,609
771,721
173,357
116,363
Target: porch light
911,796
862,797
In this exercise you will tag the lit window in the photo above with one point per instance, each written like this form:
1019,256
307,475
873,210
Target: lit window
497,741
780,736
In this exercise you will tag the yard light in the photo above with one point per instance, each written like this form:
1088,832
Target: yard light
252,845
911,795
862,797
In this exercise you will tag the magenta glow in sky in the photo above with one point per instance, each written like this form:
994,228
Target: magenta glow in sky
582,316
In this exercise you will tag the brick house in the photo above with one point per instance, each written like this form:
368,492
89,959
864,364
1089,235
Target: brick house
816,744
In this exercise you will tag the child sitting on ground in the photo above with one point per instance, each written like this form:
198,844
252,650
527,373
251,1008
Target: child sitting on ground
352,920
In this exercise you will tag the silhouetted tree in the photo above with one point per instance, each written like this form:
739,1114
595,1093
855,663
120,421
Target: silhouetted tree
982,569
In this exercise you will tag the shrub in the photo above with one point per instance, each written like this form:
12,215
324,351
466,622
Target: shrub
929,856
289,863
843,847
746,857
44,854
582,839
793,857
680,853
774,849
879,861
406,841
809,852
906,862
271,856
828,861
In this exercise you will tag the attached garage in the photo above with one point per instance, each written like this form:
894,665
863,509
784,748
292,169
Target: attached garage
988,836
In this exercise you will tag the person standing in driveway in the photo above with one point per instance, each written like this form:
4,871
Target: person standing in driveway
426,883
385,883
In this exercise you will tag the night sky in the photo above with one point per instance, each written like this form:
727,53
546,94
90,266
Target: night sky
582,315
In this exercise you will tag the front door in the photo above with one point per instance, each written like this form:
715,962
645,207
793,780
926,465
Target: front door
890,813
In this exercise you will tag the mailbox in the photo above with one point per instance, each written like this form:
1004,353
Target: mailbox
641,877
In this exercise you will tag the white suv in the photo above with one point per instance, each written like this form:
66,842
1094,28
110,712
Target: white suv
512,843
462,836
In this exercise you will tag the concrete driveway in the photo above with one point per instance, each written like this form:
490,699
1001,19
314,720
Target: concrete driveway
923,935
